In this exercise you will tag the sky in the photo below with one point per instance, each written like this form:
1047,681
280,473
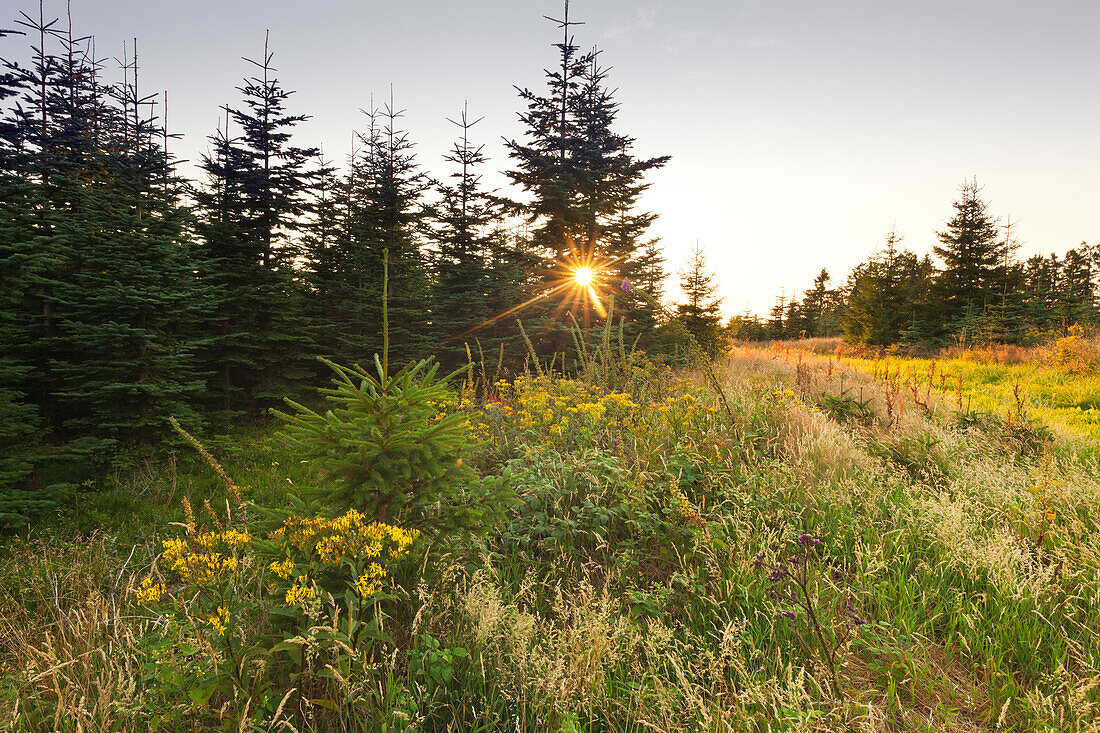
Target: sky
800,131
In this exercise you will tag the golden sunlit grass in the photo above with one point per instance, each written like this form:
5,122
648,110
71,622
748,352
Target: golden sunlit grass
925,524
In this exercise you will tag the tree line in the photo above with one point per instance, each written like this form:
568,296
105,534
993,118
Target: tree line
971,289
132,294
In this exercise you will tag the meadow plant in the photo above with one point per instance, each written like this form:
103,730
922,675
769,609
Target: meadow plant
620,592
1075,352
794,585
1045,512
279,625
565,413
387,450
388,447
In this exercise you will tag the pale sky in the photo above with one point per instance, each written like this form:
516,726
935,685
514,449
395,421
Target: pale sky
800,131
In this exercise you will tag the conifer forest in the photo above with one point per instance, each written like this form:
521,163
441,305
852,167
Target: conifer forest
300,442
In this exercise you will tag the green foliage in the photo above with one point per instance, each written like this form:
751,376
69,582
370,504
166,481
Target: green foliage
572,507
847,408
700,314
387,449
886,294
298,615
26,492
974,256
624,586
433,664
376,222
1018,433
124,320
250,212
97,331
583,182
468,291
920,456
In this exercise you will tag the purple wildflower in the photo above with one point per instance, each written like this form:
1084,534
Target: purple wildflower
777,575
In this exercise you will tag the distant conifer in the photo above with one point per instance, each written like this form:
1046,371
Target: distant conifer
700,313
973,253
384,210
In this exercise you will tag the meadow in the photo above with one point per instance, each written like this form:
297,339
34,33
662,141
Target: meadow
1056,383
779,541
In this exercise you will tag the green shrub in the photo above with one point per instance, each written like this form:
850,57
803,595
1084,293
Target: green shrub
919,456
386,449
588,507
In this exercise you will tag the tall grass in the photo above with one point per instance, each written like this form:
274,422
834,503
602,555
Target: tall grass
623,589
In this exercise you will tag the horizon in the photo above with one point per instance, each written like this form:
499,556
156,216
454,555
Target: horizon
813,131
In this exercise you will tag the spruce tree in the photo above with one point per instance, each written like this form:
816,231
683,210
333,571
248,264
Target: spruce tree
611,183
42,140
321,236
23,492
700,313
1076,302
512,280
253,213
1039,300
886,296
384,212
465,227
583,182
91,230
973,255
775,325
125,328
819,307
124,313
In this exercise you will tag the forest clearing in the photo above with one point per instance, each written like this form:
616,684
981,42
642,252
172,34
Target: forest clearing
809,548
385,381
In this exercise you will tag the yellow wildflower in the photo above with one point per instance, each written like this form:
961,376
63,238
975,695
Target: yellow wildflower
149,592
283,569
220,621
235,539
299,592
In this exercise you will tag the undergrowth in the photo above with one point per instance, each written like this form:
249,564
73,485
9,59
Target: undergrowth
818,547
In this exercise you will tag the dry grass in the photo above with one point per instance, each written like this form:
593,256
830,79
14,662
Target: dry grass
71,650
983,609
983,518
1081,347
919,689
554,671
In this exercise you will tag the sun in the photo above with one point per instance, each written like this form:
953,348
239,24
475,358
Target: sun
583,276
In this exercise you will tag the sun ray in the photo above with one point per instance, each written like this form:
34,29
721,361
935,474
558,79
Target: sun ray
511,310
596,302
580,281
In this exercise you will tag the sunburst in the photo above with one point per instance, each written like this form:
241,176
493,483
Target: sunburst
579,281
583,276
